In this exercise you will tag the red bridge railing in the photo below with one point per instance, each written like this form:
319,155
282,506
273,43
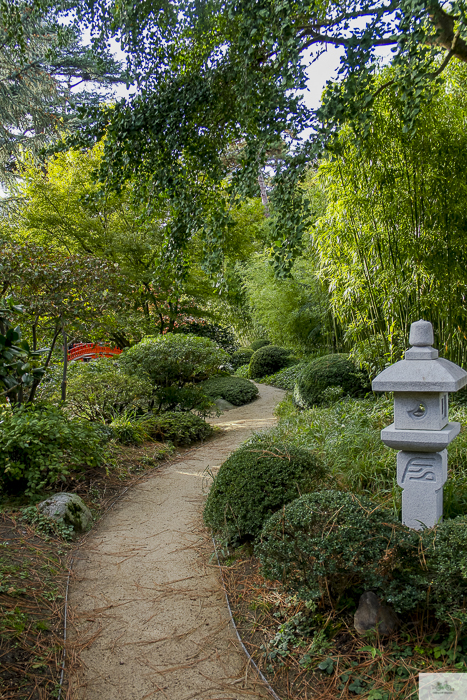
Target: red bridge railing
85,351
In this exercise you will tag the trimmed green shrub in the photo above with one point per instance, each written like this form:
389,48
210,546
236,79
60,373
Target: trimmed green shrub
285,378
40,445
254,482
329,543
234,389
186,398
257,344
327,371
240,357
268,360
174,359
179,428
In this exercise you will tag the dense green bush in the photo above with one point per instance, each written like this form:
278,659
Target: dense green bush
40,445
179,428
100,390
328,543
268,360
285,378
174,359
254,482
257,344
234,389
242,356
328,371
185,398
224,337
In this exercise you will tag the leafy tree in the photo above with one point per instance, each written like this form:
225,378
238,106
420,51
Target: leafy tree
214,76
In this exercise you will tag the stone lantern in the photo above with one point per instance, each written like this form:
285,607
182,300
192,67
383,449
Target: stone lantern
421,429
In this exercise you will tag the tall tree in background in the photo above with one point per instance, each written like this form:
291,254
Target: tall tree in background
45,73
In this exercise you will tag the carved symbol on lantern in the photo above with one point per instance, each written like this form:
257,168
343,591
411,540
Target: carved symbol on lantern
418,469
419,412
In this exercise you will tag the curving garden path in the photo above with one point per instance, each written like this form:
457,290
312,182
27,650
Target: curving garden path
147,604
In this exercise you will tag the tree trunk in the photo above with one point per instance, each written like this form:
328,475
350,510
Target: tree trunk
65,365
264,194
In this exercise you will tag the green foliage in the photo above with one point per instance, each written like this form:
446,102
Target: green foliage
179,428
254,482
100,390
45,525
20,368
39,445
186,398
268,360
224,337
294,311
257,344
445,551
234,389
129,429
285,378
243,371
174,359
328,371
391,240
328,543
241,357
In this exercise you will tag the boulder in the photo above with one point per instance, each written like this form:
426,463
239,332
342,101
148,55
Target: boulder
372,615
69,509
223,405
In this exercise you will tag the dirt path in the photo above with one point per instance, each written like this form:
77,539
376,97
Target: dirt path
147,599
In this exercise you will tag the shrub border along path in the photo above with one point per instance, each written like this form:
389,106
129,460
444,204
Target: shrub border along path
148,609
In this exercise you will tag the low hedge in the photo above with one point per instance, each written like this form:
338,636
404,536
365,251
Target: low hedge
237,390
181,428
254,482
268,360
328,371
331,543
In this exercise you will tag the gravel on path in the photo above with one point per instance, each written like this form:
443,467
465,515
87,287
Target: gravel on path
147,603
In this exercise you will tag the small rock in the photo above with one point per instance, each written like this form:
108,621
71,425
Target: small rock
373,615
224,405
69,509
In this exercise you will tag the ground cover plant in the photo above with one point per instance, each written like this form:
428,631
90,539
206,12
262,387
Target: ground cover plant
236,390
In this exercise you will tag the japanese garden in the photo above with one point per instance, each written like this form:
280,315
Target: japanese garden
233,349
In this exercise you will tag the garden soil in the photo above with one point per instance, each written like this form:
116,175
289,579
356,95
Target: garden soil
147,608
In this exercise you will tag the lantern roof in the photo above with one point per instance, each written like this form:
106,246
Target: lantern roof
421,370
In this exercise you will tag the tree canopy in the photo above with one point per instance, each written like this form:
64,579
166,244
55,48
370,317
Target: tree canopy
212,76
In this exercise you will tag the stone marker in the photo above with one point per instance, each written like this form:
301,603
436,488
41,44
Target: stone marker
372,615
421,427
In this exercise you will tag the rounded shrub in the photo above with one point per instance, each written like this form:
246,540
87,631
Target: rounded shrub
285,378
40,445
240,357
254,482
243,371
331,542
268,360
179,428
174,359
328,371
237,390
257,344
